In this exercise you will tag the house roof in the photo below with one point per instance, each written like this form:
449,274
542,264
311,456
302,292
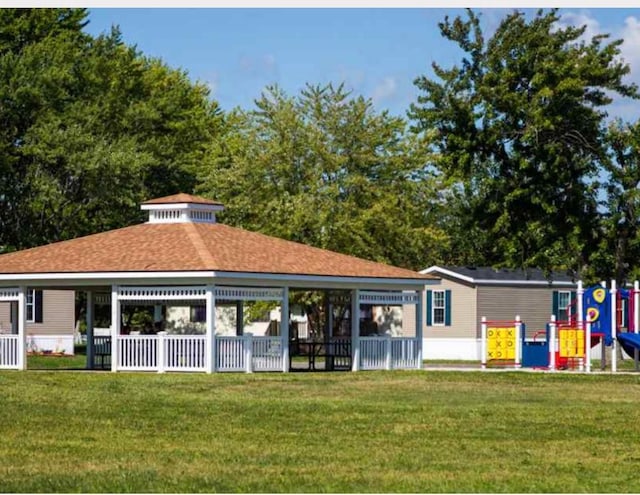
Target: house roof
181,198
192,247
504,276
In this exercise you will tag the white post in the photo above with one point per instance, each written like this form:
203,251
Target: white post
248,352
115,326
419,322
284,329
387,352
90,342
355,330
636,319
580,303
162,351
614,320
552,343
22,328
483,342
210,350
518,344
587,348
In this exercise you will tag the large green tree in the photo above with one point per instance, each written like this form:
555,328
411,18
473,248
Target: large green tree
619,248
326,169
90,127
518,125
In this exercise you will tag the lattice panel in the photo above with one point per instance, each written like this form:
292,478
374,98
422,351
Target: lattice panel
9,294
248,294
162,293
388,298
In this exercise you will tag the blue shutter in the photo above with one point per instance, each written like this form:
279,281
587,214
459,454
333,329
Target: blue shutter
429,305
554,309
447,308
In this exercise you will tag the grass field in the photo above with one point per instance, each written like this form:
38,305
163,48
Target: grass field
349,432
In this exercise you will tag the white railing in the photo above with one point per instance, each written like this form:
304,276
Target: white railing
374,352
248,353
183,352
138,352
380,353
9,351
266,353
230,353
388,298
404,353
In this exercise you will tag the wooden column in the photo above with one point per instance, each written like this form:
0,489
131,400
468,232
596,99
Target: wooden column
22,328
284,328
90,343
210,351
116,322
355,330
419,325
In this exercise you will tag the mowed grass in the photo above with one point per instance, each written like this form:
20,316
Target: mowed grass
342,432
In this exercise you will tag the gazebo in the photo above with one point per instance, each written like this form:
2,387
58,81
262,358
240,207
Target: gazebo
183,256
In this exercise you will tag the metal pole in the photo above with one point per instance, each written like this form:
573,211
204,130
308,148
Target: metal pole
587,348
614,321
518,344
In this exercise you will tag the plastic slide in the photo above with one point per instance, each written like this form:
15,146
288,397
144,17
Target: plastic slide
629,342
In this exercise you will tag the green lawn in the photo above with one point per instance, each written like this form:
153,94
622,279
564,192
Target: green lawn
321,432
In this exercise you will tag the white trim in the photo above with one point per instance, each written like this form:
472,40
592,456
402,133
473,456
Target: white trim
10,294
444,271
435,268
388,298
56,277
31,304
226,293
182,206
444,308
172,293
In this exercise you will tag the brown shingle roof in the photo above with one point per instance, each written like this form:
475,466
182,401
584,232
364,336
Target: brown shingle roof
181,198
192,247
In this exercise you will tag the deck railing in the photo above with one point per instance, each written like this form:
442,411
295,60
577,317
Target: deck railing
138,352
9,351
184,352
248,353
386,352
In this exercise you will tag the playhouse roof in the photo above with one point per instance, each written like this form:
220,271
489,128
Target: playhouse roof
192,246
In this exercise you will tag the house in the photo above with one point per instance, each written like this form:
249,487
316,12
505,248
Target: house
451,326
50,318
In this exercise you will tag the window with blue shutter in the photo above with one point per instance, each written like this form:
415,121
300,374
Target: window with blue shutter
438,308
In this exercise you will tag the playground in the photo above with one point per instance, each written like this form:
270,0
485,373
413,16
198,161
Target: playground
600,316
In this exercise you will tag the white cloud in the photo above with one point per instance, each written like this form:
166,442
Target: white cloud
630,49
259,66
579,19
213,83
385,90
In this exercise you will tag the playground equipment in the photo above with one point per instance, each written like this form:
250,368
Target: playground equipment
598,315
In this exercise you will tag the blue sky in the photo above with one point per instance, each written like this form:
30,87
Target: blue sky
376,52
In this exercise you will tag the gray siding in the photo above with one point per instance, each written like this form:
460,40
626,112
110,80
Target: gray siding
463,312
58,314
534,305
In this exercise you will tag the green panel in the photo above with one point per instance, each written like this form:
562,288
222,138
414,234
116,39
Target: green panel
429,305
447,308
554,309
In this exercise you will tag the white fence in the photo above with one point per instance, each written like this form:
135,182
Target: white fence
161,352
184,352
138,352
249,353
9,351
380,353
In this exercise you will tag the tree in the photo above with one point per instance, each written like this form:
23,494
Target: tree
91,128
620,241
519,126
325,169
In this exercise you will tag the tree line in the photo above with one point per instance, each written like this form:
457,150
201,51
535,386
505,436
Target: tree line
507,158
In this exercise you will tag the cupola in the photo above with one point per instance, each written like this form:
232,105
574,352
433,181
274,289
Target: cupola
181,208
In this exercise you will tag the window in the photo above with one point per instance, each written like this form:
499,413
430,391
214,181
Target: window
564,302
438,307
30,305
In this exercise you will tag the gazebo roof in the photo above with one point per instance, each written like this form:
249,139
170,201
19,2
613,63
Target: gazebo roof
192,246
181,198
